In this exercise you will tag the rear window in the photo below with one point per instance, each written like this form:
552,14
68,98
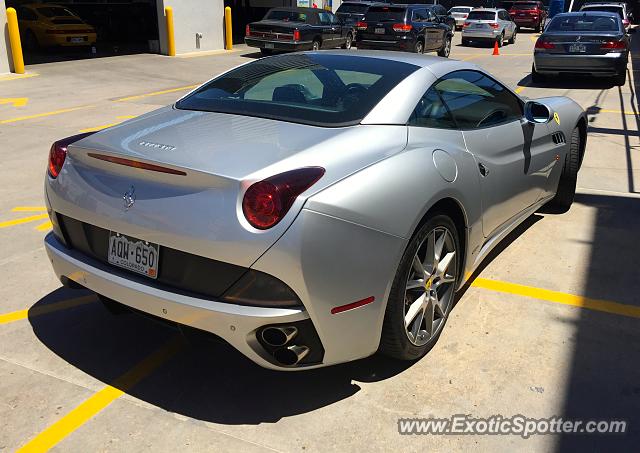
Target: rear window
287,16
315,89
52,11
385,14
352,8
524,6
583,23
481,15
606,9
459,10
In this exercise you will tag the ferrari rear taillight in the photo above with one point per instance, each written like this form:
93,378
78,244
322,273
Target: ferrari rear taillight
361,25
544,45
247,30
402,28
614,45
58,153
296,35
266,202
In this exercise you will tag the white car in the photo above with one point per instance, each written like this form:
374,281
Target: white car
460,13
611,7
489,25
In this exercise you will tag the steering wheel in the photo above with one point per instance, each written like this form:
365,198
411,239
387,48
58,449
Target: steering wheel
491,117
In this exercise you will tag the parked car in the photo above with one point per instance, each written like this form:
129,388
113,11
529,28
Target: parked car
489,25
460,13
48,25
443,16
611,7
591,43
413,28
310,208
352,11
529,14
291,29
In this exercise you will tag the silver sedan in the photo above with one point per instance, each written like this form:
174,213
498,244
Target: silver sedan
310,208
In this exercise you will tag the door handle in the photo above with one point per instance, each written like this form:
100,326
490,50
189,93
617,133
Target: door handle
484,171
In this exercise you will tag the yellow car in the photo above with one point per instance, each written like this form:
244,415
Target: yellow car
47,25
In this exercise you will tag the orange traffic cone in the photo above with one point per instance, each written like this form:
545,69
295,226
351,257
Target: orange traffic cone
496,50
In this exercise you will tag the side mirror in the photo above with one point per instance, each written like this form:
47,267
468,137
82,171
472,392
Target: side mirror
535,112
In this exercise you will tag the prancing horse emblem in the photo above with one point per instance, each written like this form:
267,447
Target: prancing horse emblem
129,198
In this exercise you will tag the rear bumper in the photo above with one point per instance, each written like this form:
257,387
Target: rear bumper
84,39
526,22
608,64
290,46
480,34
234,323
405,43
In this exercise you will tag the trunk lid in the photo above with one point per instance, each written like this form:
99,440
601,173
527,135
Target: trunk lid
217,157
582,43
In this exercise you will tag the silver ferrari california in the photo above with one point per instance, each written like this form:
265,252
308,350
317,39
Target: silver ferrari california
310,208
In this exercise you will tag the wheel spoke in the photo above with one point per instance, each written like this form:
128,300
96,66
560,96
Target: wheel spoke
415,329
415,308
428,315
443,265
439,245
415,284
418,267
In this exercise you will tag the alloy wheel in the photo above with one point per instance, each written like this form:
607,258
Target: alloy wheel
430,286
419,47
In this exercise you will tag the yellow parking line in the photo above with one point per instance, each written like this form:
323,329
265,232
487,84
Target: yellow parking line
46,226
558,297
89,408
104,126
14,222
40,115
46,309
18,76
156,93
626,112
29,208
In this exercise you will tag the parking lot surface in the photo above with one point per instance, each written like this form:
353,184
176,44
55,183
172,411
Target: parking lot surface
548,327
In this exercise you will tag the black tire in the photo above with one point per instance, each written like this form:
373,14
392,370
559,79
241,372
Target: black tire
513,37
538,28
419,46
500,40
567,184
465,41
347,44
621,78
446,48
536,77
316,44
395,341
266,52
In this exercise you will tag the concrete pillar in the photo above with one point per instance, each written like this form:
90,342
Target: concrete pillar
5,53
191,17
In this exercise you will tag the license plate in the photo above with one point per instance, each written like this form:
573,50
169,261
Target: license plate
133,254
268,45
521,14
77,39
479,25
379,31
577,48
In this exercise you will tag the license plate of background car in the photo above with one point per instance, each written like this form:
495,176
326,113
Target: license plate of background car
268,45
379,31
133,254
575,48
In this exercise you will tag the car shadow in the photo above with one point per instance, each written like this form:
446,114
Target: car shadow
572,82
205,380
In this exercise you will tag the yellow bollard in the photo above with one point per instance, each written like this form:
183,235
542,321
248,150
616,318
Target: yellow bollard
14,38
171,38
228,34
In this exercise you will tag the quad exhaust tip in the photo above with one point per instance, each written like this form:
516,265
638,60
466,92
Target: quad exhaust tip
279,336
291,355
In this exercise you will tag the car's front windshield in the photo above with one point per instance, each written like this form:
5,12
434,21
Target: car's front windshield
316,89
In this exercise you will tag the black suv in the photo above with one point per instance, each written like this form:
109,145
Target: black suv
352,11
413,28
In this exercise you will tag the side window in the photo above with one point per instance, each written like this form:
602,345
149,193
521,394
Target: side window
440,10
476,100
420,15
431,112
325,19
334,19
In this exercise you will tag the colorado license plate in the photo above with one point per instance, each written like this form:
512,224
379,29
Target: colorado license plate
379,31
577,48
268,45
133,254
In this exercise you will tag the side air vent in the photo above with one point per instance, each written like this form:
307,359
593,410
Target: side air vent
558,138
